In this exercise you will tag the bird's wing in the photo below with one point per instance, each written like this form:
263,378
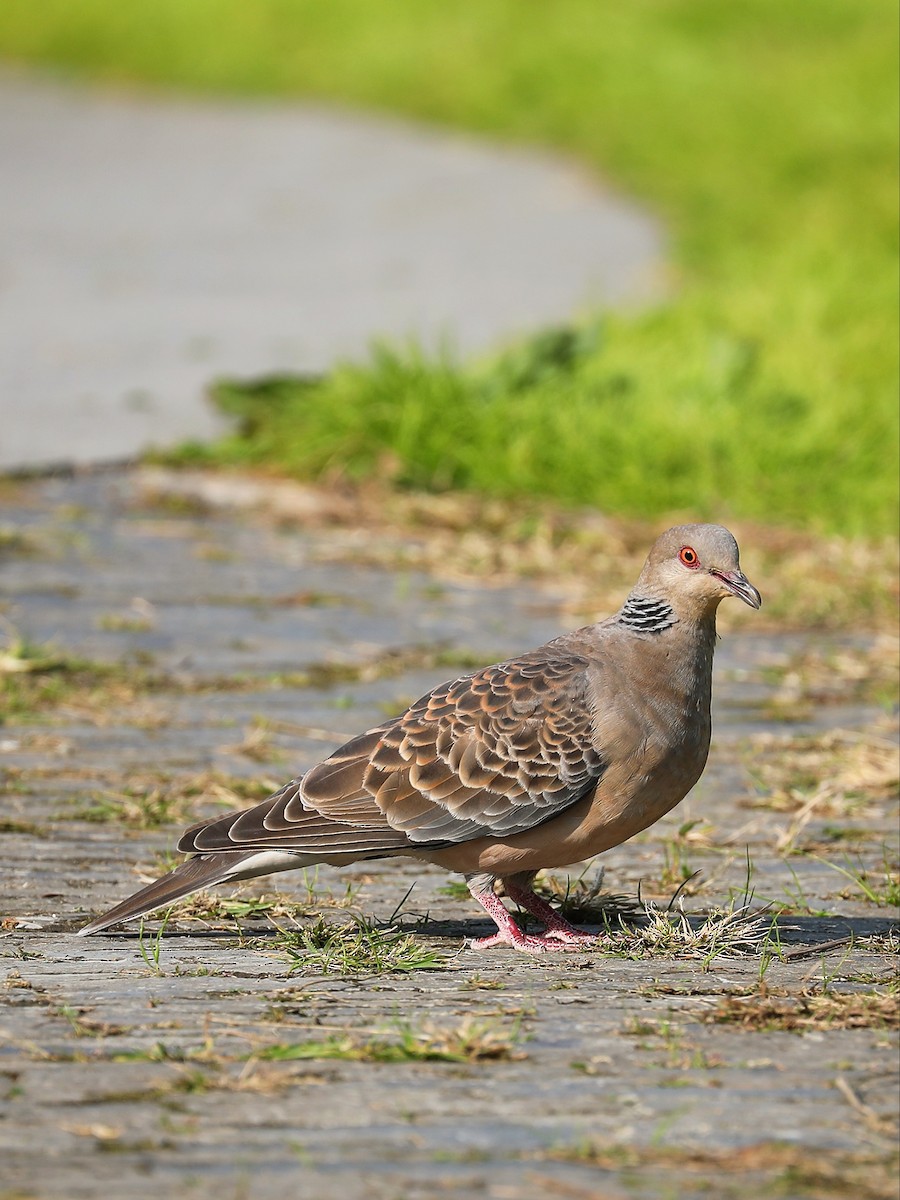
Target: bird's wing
492,753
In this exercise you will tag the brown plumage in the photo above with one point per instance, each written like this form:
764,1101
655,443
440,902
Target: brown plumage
540,761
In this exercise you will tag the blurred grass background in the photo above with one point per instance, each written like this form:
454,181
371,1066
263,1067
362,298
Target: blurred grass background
765,135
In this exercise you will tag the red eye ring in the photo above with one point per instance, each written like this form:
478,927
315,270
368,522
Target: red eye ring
688,555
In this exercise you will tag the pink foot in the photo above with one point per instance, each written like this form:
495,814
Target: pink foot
555,925
523,942
560,934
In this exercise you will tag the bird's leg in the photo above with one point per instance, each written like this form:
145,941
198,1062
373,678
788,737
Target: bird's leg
518,888
508,930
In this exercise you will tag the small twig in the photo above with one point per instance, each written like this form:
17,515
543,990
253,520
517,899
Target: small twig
869,1115
785,841
822,948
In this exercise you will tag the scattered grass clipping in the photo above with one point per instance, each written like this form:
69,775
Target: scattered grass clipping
357,947
636,928
472,1040
798,1014
768,1168
840,773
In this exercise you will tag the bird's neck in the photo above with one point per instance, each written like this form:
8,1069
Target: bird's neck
644,612
671,630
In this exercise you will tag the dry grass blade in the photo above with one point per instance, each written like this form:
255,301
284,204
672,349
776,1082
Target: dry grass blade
255,744
670,931
635,928
842,771
858,1010
760,1169
472,1040
147,802
852,674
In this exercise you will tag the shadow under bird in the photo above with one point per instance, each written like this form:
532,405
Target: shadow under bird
537,762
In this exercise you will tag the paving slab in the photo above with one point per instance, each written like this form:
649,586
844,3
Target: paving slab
149,245
242,650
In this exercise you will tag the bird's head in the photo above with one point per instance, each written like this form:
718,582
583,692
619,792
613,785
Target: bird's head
693,568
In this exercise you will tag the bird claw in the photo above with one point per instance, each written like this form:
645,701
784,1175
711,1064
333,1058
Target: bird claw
572,936
531,943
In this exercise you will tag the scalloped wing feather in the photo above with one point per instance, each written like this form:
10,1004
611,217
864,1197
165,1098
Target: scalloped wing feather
492,753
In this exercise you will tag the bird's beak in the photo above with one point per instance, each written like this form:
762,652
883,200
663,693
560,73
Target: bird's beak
739,585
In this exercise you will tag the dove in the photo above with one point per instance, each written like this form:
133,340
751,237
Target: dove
537,762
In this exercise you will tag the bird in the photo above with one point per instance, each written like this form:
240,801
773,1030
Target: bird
537,762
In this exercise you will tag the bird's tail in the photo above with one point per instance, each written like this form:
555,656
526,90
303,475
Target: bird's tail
200,871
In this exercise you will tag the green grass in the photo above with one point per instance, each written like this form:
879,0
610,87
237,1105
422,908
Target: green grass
763,133
163,799
883,891
357,947
470,1041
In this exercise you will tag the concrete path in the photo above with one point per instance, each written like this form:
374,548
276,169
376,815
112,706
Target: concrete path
204,1066
148,245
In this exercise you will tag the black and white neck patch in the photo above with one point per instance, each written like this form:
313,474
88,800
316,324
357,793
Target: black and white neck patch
646,615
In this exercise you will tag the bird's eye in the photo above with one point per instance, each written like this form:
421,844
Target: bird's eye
688,556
